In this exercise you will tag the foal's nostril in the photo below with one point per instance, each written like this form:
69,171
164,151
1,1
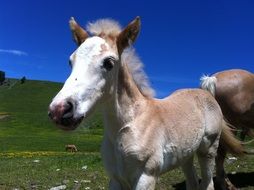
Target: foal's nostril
50,114
68,112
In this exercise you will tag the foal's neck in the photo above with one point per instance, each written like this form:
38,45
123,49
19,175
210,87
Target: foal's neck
121,110
127,90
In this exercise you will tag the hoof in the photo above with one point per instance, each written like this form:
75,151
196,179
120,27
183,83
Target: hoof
229,185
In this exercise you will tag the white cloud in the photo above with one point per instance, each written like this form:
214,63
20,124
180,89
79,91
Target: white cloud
14,52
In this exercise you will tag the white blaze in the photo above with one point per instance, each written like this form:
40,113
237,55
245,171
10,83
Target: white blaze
86,83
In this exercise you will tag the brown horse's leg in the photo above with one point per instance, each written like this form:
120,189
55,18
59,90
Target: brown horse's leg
250,133
243,133
221,178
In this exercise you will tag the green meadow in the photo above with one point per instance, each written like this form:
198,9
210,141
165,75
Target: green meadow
32,149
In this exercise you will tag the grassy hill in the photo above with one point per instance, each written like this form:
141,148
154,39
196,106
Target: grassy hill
32,148
27,126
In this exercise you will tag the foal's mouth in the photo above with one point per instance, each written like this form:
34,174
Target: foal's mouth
69,124
63,115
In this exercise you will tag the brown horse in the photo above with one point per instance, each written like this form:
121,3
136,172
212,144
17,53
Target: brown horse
71,148
144,136
234,91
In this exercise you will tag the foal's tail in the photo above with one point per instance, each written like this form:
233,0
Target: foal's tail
229,142
208,83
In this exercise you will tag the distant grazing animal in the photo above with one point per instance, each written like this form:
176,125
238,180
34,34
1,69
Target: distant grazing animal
234,91
71,148
143,137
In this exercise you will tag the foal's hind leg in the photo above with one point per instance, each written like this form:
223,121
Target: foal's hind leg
207,165
190,175
145,182
206,157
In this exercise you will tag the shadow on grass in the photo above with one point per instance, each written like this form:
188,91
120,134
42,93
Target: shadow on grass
240,180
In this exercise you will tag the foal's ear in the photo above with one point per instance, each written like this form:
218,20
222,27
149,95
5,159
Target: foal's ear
79,34
128,35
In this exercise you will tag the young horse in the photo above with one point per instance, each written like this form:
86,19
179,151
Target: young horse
143,137
234,91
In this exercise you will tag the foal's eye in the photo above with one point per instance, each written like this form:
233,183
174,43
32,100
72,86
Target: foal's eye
108,63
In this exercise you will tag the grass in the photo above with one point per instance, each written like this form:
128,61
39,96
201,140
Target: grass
43,170
32,171
27,134
28,128
32,149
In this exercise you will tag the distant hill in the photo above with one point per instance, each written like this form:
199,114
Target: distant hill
27,127
28,98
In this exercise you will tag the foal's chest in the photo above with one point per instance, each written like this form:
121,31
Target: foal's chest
129,145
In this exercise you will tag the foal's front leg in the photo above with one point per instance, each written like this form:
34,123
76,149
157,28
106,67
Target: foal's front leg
110,163
145,182
116,185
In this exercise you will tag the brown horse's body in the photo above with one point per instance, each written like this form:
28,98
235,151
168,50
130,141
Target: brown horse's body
234,91
235,94
71,148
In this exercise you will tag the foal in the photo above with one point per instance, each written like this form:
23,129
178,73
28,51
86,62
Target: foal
143,137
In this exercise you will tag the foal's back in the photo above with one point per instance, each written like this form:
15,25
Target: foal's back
184,112
188,108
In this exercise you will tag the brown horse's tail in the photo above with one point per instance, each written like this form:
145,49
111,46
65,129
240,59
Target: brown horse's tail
208,83
229,142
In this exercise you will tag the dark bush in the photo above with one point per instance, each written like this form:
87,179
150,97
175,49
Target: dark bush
2,77
23,80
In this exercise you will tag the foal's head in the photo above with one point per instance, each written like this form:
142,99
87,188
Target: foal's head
94,64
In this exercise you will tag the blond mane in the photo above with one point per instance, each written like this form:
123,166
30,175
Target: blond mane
110,27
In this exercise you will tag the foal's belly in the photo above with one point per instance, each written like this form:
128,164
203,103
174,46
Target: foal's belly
175,155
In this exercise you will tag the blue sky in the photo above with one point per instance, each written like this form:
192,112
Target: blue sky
179,40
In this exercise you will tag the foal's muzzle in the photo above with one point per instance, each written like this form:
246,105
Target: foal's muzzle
63,115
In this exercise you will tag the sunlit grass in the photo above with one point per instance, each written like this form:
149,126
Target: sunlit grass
34,154
42,170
